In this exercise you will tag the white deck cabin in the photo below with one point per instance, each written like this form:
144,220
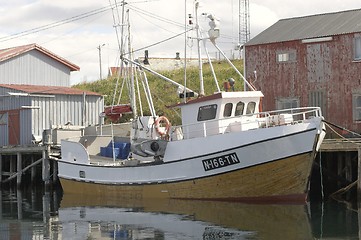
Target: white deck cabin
219,113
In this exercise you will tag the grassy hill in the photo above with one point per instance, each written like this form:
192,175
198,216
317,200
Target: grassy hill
165,94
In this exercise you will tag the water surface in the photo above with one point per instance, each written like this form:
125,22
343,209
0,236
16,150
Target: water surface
32,214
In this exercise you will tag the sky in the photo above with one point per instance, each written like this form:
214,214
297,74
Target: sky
76,30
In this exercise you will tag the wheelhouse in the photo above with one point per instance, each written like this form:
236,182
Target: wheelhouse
215,113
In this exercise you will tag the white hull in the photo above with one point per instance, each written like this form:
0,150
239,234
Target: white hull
205,160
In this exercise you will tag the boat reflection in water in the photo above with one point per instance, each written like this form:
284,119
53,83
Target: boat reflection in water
37,215
179,219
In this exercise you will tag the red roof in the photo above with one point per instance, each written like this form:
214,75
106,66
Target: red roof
46,90
9,53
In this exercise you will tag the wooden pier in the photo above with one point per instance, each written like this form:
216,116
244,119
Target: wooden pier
17,161
340,162
337,165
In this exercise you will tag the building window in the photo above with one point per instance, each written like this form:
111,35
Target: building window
356,107
283,57
239,109
287,103
227,110
286,56
207,112
357,47
251,107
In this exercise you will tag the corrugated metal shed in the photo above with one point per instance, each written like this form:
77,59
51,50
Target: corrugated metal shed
28,110
321,25
9,53
32,64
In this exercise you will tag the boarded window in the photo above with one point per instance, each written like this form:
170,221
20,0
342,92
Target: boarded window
357,48
228,110
207,112
287,103
251,107
317,99
319,62
239,109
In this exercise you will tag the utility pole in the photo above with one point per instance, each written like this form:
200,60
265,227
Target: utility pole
100,59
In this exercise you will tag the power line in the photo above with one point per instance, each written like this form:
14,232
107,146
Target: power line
55,24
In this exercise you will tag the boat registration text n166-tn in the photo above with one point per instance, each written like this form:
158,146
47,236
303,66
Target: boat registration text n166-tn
221,161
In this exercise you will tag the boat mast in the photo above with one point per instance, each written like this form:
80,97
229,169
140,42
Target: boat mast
201,84
185,51
131,71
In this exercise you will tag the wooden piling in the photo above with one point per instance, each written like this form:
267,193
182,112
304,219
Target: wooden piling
45,169
1,169
19,168
33,170
359,174
55,171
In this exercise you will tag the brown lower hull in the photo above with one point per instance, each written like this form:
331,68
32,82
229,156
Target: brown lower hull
284,180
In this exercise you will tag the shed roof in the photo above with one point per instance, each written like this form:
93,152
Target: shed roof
53,90
314,26
9,53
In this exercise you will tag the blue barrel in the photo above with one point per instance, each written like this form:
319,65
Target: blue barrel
109,152
124,152
103,151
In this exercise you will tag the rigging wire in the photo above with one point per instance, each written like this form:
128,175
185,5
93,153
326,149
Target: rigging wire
162,41
79,17
152,15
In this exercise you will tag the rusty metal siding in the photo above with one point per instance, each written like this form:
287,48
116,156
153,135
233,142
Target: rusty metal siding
328,68
34,68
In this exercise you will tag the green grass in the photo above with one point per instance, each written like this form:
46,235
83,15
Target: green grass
165,94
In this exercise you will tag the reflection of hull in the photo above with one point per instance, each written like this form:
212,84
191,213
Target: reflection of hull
192,218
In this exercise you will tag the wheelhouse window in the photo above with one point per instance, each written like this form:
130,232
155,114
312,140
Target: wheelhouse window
251,107
228,110
356,107
239,109
357,47
207,112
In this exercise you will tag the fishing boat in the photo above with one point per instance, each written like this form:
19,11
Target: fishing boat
224,149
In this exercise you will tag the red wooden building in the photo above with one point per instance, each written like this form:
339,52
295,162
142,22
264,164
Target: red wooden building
310,61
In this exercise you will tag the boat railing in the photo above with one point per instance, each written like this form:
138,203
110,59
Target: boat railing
244,122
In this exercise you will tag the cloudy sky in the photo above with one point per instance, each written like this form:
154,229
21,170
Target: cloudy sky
75,29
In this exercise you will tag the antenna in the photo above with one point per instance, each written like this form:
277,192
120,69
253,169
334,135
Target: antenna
244,23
